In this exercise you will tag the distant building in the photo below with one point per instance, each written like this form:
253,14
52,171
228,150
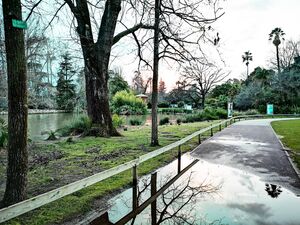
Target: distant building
188,107
143,97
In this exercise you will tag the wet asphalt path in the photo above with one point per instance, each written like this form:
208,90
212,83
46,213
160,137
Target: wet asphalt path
251,146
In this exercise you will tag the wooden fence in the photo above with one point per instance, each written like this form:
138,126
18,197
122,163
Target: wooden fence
43,199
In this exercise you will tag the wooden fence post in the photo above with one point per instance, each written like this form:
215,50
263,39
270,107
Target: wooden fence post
134,188
153,192
220,127
199,139
211,132
179,158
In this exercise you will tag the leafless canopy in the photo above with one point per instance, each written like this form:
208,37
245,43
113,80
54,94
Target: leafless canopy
183,28
203,76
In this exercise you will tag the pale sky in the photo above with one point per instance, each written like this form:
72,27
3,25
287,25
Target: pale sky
245,26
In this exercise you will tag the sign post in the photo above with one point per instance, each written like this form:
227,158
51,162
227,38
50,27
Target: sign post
230,109
270,109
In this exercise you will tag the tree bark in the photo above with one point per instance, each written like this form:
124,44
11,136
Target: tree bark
17,105
154,125
203,101
96,59
277,56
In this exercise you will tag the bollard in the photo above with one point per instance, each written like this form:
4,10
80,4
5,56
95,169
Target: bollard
199,139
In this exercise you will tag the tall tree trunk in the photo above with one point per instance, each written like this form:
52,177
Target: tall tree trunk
203,101
96,58
17,105
277,56
154,125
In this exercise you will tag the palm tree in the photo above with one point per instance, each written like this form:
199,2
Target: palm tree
246,58
277,35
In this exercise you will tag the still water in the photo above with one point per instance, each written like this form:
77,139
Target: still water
38,123
226,196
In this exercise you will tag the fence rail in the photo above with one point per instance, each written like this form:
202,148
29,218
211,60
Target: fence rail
43,199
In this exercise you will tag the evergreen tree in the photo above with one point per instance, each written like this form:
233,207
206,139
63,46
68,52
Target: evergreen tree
66,94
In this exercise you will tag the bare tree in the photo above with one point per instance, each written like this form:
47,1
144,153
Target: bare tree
179,30
140,83
287,53
17,105
203,77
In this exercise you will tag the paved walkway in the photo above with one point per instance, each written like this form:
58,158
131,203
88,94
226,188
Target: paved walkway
251,146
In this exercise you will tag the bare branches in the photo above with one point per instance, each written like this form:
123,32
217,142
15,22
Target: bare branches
203,77
131,30
32,9
183,28
55,15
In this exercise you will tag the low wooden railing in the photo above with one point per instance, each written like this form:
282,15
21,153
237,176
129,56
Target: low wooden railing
43,199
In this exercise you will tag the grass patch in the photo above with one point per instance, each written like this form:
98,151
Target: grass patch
89,155
290,132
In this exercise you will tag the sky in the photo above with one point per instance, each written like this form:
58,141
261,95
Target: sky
244,26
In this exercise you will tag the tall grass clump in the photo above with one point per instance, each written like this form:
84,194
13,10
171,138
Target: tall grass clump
76,126
118,121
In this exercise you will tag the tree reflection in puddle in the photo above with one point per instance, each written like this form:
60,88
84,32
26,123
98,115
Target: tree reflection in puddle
174,205
273,190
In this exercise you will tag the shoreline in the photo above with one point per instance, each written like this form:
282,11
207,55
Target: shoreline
40,111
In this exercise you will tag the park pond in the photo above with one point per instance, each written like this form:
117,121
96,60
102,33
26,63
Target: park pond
38,123
211,194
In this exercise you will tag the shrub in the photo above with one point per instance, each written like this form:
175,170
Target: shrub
118,121
248,112
179,121
164,121
207,114
126,103
78,125
3,132
135,122
181,104
163,105
221,113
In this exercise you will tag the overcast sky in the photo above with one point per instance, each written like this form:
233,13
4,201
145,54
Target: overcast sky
245,26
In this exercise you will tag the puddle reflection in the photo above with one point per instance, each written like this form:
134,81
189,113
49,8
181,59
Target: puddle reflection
210,194
273,190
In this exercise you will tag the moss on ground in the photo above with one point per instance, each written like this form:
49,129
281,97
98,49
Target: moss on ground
290,132
89,155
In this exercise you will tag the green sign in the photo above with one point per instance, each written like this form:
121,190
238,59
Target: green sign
270,109
19,24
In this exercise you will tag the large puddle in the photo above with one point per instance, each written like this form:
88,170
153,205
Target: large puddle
212,194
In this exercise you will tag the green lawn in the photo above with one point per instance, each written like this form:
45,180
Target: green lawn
290,132
56,164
